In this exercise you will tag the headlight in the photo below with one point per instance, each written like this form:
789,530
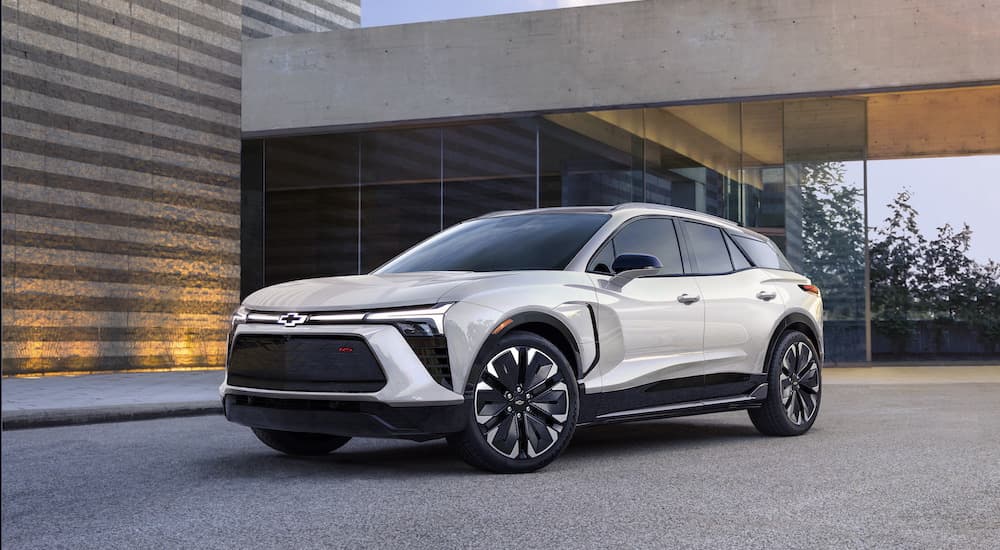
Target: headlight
239,317
414,322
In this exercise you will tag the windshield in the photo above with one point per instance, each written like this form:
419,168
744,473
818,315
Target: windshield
505,243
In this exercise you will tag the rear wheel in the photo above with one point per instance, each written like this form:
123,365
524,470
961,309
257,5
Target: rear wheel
300,444
793,388
523,405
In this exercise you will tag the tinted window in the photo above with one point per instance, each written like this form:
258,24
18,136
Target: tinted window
708,248
506,243
763,254
653,236
603,260
739,260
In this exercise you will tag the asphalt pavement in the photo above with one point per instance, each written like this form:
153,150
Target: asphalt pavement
914,466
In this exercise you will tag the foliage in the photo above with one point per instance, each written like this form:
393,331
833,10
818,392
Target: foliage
833,238
912,278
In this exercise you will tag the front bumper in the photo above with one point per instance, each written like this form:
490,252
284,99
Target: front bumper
345,418
410,405
408,384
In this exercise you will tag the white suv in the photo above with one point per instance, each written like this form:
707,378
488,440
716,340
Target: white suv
507,332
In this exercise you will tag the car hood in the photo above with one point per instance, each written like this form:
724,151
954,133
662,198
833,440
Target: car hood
360,292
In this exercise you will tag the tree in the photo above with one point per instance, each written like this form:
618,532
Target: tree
833,235
896,253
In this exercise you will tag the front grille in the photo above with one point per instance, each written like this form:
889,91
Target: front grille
433,353
304,363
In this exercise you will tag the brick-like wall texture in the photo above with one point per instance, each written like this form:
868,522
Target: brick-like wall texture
121,165
278,17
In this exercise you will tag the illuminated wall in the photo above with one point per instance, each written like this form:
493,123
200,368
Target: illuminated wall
121,164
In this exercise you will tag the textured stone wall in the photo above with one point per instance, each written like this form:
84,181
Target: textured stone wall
121,165
262,18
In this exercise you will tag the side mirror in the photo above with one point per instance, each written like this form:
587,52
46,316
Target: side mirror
628,262
630,267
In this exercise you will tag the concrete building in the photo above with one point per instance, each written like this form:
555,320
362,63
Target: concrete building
132,223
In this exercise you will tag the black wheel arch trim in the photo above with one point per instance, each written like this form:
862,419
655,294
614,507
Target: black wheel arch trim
518,321
789,320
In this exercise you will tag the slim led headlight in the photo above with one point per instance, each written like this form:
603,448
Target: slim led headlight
427,321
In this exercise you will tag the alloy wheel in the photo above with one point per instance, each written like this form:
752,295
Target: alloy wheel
800,383
521,402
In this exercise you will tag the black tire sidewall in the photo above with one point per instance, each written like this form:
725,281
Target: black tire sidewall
471,437
300,444
774,400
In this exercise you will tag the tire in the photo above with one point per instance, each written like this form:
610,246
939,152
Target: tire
794,388
521,407
300,444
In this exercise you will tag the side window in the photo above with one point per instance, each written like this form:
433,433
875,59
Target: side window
739,260
603,259
708,248
654,236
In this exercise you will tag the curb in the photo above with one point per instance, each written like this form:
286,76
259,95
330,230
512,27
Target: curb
47,418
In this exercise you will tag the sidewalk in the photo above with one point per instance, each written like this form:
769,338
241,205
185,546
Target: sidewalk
93,398
88,399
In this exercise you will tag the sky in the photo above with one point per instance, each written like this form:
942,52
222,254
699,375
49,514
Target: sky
945,190
375,13
951,190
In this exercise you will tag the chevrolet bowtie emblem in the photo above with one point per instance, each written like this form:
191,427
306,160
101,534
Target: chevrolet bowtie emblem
292,319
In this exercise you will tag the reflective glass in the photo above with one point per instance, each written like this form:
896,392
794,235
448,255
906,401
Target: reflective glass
400,192
310,207
653,236
504,243
708,249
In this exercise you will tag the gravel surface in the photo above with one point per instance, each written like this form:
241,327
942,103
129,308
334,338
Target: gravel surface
914,466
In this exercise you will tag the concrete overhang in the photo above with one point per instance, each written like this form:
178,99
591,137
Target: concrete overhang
652,52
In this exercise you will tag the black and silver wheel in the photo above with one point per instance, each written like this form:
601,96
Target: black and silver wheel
794,388
522,407
300,444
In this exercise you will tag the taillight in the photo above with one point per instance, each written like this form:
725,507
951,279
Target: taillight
811,289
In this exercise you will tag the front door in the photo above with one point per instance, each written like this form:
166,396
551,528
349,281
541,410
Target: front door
656,360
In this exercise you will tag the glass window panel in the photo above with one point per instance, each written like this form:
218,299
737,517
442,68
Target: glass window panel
400,192
531,242
603,260
708,248
692,154
310,207
739,260
935,286
824,213
489,167
590,158
653,236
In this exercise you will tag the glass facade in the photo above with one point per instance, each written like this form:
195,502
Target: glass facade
795,171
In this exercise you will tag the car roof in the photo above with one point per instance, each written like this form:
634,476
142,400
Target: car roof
630,210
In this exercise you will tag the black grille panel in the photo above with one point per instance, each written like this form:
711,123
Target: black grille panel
433,353
304,363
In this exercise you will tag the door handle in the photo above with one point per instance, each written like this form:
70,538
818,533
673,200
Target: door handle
766,295
688,299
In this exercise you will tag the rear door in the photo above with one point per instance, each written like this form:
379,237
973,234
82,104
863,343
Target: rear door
741,308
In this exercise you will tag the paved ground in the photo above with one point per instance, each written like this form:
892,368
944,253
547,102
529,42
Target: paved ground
911,466
86,399
106,390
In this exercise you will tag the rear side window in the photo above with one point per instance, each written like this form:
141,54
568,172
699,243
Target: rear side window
763,254
653,236
708,249
739,260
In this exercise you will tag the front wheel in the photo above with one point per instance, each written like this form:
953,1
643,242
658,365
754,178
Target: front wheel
793,388
300,444
522,407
